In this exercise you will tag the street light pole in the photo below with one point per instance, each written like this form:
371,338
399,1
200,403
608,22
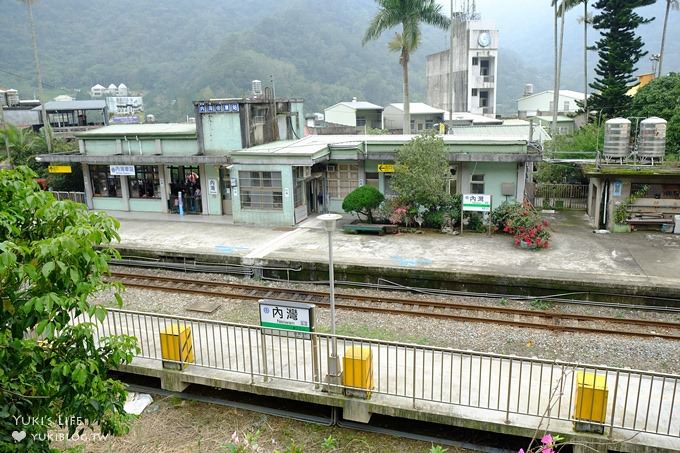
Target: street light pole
334,371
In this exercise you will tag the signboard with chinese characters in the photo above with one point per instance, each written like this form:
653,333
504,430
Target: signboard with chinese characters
477,202
59,169
218,107
122,170
288,316
212,186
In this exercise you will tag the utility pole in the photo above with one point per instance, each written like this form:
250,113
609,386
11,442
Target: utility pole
451,67
41,97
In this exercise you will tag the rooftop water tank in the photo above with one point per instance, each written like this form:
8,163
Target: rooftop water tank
528,89
256,87
616,138
652,140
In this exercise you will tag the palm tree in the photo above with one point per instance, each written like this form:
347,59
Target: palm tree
34,38
675,4
410,14
560,12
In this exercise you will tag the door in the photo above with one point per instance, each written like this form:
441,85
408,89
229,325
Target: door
225,190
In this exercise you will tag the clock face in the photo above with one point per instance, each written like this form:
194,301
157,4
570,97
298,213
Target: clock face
484,39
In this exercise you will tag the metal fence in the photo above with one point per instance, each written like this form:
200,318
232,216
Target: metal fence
638,401
78,197
561,196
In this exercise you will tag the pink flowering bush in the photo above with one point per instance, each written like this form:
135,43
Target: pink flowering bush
526,226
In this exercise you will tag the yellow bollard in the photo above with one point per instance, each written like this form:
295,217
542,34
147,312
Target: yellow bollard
358,374
177,346
590,408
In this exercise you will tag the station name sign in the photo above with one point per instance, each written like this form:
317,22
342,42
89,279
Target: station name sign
218,107
122,170
477,202
286,315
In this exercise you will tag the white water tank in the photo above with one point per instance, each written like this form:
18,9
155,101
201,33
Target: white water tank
256,87
652,140
528,89
616,138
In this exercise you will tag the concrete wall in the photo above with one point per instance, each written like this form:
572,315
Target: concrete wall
109,204
299,122
341,114
495,174
393,118
213,201
437,80
146,205
286,216
221,132
149,146
540,102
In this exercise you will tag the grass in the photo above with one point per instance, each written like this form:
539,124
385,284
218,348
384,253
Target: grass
538,304
200,427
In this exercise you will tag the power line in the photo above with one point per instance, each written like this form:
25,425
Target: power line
30,79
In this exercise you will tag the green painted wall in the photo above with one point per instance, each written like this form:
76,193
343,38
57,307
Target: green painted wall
184,147
145,205
170,147
108,204
221,132
262,217
495,173
214,200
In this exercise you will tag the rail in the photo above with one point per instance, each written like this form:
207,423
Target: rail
78,197
637,401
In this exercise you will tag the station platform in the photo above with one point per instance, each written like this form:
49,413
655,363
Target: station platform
635,411
639,263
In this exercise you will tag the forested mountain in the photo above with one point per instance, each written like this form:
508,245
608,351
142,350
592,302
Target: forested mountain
177,51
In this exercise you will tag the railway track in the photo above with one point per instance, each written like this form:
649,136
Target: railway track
536,319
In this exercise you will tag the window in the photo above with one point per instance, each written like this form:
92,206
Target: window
420,126
413,125
342,180
261,190
429,124
474,91
145,183
361,121
484,67
373,179
103,184
475,61
566,106
483,98
477,184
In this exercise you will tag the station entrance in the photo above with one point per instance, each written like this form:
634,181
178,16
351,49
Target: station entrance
185,190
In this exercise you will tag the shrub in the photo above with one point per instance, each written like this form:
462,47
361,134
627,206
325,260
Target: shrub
502,213
362,201
527,227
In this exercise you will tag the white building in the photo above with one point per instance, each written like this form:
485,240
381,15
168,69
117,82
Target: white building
538,104
97,91
475,70
355,113
423,117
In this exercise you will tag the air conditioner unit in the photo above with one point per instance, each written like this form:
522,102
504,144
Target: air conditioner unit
330,167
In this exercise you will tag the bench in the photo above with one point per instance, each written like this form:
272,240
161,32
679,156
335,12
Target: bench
649,221
370,228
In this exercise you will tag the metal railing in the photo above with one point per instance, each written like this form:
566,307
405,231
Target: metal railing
78,197
639,401
567,196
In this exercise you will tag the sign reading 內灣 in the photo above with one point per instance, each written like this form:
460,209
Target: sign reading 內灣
477,202
280,314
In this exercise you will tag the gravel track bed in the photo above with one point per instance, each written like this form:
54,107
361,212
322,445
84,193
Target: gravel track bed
645,354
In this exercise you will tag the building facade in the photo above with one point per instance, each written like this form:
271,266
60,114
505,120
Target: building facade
423,117
538,104
246,158
359,114
470,67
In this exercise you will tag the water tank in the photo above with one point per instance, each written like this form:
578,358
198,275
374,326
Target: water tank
652,139
256,86
616,138
528,89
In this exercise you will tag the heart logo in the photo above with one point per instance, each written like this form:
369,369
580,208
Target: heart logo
19,435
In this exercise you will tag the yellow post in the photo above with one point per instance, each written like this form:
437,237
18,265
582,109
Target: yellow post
591,401
177,347
358,374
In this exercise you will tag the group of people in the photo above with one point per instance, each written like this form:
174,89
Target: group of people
191,193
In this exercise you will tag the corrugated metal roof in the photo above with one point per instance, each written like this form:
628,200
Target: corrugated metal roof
73,105
360,105
417,108
141,129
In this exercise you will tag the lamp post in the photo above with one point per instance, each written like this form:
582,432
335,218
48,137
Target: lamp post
334,372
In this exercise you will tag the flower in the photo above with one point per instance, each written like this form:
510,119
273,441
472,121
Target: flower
547,440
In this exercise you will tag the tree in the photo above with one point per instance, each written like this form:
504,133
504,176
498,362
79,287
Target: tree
675,4
23,145
619,50
421,172
660,98
408,13
363,200
52,258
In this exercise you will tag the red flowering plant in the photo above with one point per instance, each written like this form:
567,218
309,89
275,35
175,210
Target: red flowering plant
526,225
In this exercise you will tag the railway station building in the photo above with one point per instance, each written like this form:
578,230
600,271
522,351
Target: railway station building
247,158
